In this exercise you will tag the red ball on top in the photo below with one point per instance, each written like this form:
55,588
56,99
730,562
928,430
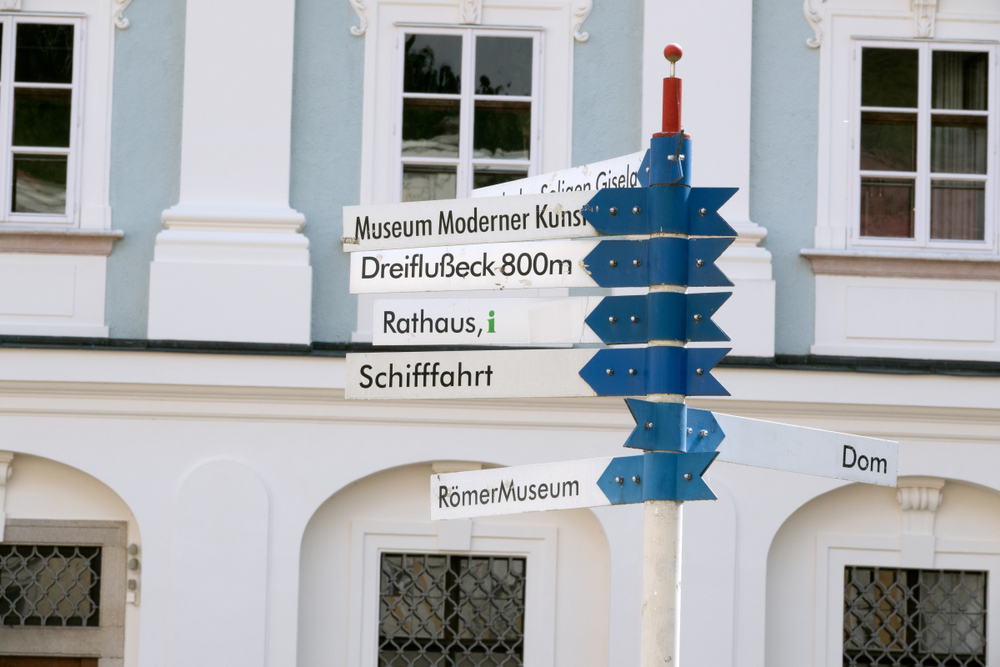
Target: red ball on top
673,52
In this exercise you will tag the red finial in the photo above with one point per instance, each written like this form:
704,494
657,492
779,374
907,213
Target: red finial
672,92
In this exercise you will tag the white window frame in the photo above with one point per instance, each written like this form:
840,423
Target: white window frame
923,176
465,162
369,539
834,552
7,84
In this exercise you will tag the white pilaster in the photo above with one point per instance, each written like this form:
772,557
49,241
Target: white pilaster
231,264
717,42
6,470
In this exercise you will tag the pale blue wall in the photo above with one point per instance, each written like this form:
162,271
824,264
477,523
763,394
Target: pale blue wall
607,82
145,152
783,125
326,151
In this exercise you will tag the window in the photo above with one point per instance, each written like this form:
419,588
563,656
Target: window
39,75
926,132
50,585
914,617
468,110
450,610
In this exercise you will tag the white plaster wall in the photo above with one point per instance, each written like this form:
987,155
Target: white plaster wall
52,295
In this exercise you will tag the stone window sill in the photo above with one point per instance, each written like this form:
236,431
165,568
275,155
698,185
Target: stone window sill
58,241
903,264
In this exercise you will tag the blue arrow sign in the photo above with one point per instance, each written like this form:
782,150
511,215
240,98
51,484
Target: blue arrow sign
658,261
657,476
655,370
672,427
665,209
658,316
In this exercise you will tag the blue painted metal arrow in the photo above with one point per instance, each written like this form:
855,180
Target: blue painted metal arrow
655,370
676,210
657,476
672,427
658,261
658,316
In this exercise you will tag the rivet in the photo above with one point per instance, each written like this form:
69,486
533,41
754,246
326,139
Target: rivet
697,318
702,211
636,479
687,476
613,319
133,564
619,480
613,211
690,431
611,371
702,433
699,263
634,319
614,263
631,371
697,371
647,170
636,262
672,158
649,425
635,210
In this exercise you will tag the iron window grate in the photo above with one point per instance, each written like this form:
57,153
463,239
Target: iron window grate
50,585
440,610
926,618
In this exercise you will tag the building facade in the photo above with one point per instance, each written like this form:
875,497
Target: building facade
181,479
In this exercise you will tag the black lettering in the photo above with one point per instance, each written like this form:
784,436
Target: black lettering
387,319
361,230
571,488
879,465
853,452
472,496
366,367
364,268
445,226
862,462
443,497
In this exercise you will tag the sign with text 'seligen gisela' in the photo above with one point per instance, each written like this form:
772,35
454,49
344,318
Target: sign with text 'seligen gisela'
627,171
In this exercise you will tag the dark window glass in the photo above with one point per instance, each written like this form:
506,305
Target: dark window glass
887,207
430,128
44,53
42,117
433,64
503,66
39,184
485,176
424,182
888,141
49,585
889,77
958,210
958,144
960,80
502,130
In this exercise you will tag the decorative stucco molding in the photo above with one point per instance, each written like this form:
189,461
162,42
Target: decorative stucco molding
59,242
121,22
470,12
6,470
902,264
924,16
359,8
580,15
10,5
919,498
814,20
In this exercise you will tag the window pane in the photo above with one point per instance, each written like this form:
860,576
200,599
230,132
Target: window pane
39,184
44,53
430,128
502,130
960,80
958,144
889,77
958,210
44,585
433,64
42,117
888,141
886,208
503,66
485,176
427,182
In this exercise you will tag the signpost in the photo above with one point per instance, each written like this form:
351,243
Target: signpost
542,232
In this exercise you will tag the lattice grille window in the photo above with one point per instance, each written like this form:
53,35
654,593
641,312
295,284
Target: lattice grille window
49,585
914,617
439,610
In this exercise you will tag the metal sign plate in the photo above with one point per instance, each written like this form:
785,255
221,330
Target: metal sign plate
619,172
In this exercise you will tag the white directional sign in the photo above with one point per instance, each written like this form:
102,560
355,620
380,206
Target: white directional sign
468,374
808,450
482,267
619,172
535,488
461,221
499,321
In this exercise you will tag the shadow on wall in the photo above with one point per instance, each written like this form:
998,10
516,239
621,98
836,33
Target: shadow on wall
564,554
